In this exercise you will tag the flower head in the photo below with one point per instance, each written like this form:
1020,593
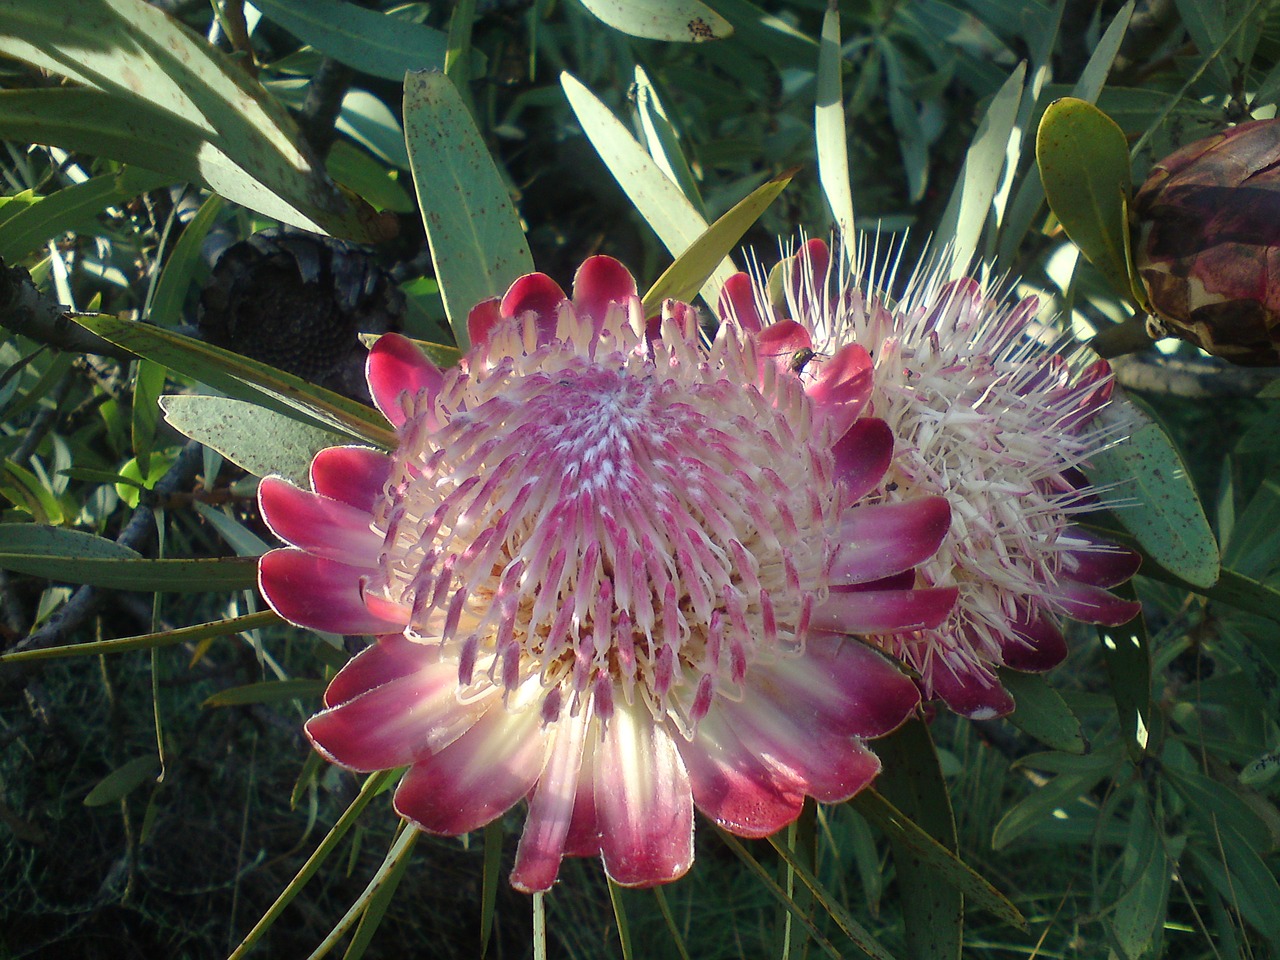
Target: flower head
613,570
986,416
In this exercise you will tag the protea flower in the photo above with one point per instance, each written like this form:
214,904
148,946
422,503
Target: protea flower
612,570
985,416
1207,243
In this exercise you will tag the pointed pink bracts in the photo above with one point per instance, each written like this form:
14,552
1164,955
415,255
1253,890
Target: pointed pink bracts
985,415
613,569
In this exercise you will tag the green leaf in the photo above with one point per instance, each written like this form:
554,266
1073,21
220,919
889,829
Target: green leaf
241,377
689,272
374,43
1041,805
148,576
678,20
477,246
268,691
1161,509
830,136
911,780
73,209
966,215
158,95
662,140
148,384
359,172
1042,713
28,493
1141,908
671,214
1127,651
1083,159
38,539
149,641
261,441
122,781
179,272
375,906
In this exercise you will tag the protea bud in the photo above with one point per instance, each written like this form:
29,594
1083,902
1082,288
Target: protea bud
1207,243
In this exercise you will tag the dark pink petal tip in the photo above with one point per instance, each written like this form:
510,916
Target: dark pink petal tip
599,282
319,593
482,319
320,525
883,539
355,475
1034,645
738,302
884,611
973,695
534,293
863,455
396,367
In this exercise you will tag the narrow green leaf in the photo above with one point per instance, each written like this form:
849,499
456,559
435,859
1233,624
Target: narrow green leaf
148,384
830,136
38,539
1032,810
670,214
27,492
241,377
122,781
477,245
616,899
149,576
677,20
690,271
179,271
361,173
157,94
268,691
1127,651
1140,909
371,42
1083,159
73,209
967,211
375,906
1242,878
661,139
261,441
192,634
1161,509
1042,713
374,784
494,834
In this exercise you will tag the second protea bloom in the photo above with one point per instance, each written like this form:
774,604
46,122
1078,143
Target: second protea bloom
612,570
987,416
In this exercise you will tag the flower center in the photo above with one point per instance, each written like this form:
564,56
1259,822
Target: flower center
646,521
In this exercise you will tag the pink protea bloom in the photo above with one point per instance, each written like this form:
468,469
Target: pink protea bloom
985,415
612,570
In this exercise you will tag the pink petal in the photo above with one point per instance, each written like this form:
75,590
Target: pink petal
478,777
850,688
733,786
883,539
319,593
863,455
321,526
884,611
536,293
484,316
831,767
396,367
1102,564
599,282
808,274
354,475
843,386
1036,645
643,801
397,723
738,301
1090,604
781,341
391,656
551,808
583,839
973,695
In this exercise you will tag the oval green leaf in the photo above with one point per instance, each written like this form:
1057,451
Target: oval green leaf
1160,508
676,20
1083,159
268,691
477,245
261,441
122,781
1042,713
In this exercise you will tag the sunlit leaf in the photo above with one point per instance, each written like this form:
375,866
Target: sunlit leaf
241,377
661,139
38,539
477,245
157,95
690,271
261,441
1084,165
374,43
830,137
669,212
678,20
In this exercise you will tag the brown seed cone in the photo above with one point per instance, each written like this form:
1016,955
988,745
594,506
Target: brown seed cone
298,301
1207,243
